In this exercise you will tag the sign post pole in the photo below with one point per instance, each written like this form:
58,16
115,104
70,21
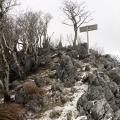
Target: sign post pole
87,41
86,29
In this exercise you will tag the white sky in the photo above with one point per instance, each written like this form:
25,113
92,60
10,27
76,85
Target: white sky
106,15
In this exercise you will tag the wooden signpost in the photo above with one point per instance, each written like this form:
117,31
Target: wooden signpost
86,29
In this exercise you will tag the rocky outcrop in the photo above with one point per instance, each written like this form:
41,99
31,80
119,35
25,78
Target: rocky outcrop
58,83
30,96
66,71
100,102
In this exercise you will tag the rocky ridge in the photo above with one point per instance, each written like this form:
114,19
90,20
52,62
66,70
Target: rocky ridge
71,85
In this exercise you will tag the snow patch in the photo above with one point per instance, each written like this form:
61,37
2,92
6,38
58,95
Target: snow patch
69,106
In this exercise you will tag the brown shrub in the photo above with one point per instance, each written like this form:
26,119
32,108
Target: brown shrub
11,111
31,88
42,91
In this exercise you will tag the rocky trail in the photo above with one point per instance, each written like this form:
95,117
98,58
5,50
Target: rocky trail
68,109
70,87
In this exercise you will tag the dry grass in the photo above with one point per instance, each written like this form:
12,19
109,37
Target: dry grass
41,91
31,88
11,111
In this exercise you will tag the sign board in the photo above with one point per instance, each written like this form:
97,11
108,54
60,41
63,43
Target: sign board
88,28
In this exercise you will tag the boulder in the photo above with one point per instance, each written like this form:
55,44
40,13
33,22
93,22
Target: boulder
81,101
114,74
88,105
93,93
57,86
69,115
98,110
66,71
33,106
116,115
117,93
39,81
55,114
113,87
20,96
108,94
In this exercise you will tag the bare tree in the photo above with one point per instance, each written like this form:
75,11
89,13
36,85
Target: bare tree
28,30
33,29
5,48
77,14
46,20
59,40
69,39
8,5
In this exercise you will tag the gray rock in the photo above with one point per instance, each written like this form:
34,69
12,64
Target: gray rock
113,87
88,105
63,99
69,115
102,82
117,101
115,75
76,114
87,68
108,115
92,79
117,94
57,87
54,66
20,96
52,74
98,109
76,63
106,78
112,101
82,112
115,108
67,72
116,115
73,54
23,116
108,93
39,81
83,56
33,106
93,93
89,117
81,101
55,114
14,84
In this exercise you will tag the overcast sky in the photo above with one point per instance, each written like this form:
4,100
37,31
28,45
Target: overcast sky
106,15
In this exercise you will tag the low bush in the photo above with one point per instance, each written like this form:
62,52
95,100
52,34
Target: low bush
11,111
31,88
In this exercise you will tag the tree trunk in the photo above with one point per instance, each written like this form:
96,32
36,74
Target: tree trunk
6,79
75,36
40,41
7,70
20,71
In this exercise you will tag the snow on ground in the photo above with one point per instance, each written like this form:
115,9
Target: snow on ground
69,106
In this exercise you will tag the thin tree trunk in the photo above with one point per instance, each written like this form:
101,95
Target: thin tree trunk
7,70
20,71
75,36
40,42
